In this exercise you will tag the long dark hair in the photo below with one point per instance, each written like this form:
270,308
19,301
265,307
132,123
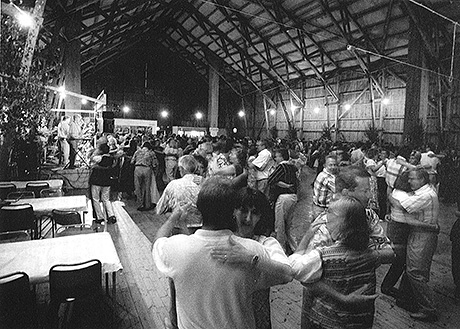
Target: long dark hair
354,231
246,198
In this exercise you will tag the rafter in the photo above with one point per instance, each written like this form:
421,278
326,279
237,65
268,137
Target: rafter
350,46
246,26
201,19
302,51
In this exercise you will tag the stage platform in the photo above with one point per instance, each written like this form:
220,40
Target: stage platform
73,178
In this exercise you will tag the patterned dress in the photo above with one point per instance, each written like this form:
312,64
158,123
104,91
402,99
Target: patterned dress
345,271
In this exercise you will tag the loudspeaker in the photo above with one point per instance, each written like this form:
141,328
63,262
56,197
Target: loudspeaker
108,126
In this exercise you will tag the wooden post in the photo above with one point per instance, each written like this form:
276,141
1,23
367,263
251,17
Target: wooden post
266,114
416,105
213,100
326,102
381,110
371,90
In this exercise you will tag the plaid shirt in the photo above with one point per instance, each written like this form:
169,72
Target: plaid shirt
424,203
322,238
394,169
323,189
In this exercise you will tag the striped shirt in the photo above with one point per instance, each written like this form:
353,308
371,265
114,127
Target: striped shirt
287,173
323,189
345,271
424,203
322,238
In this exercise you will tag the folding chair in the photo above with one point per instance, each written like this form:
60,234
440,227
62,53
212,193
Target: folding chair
16,220
72,283
5,189
66,220
18,307
36,187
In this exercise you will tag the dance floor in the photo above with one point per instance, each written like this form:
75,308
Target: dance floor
142,293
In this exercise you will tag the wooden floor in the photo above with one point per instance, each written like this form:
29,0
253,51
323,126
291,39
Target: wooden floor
142,293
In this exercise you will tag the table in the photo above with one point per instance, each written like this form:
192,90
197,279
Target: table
55,184
36,257
46,205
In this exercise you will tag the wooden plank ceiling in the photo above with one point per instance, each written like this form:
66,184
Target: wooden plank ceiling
255,44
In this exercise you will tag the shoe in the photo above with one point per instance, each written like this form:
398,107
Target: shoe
141,208
425,317
112,220
392,292
151,207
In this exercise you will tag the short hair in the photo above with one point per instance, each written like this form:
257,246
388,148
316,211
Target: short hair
354,231
372,152
216,202
284,153
241,155
246,198
188,163
422,174
330,156
201,160
147,145
346,178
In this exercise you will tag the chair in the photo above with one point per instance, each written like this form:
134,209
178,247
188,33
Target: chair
49,193
17,302
66,219
72,283
36,187
20,195
16,220
5,189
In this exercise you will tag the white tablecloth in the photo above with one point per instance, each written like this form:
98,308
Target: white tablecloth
55,184
36,257
70,202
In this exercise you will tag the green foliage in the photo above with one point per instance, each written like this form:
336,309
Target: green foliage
22,100
416,136
373,134
327,133
292,134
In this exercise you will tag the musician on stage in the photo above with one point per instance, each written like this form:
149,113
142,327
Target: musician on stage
75,134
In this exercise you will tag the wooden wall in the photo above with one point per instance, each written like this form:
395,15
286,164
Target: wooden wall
319,111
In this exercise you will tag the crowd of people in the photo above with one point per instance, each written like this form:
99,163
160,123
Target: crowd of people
231,205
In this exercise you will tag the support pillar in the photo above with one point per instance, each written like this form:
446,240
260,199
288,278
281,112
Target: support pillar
213,101
72,63
417,87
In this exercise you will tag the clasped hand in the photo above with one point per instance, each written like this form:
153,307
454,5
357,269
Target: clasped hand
234,252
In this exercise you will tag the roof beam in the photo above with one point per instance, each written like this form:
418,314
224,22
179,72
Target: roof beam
304,55
350,46
201,19
245,25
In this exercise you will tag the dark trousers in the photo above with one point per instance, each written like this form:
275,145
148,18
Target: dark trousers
455,238
398,233
382,196
73,152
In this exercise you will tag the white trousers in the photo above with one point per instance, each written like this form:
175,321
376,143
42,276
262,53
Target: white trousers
283,220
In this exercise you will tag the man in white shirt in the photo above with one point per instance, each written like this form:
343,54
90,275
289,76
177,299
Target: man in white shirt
422,240
63,132
213,292
263,166
430,162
